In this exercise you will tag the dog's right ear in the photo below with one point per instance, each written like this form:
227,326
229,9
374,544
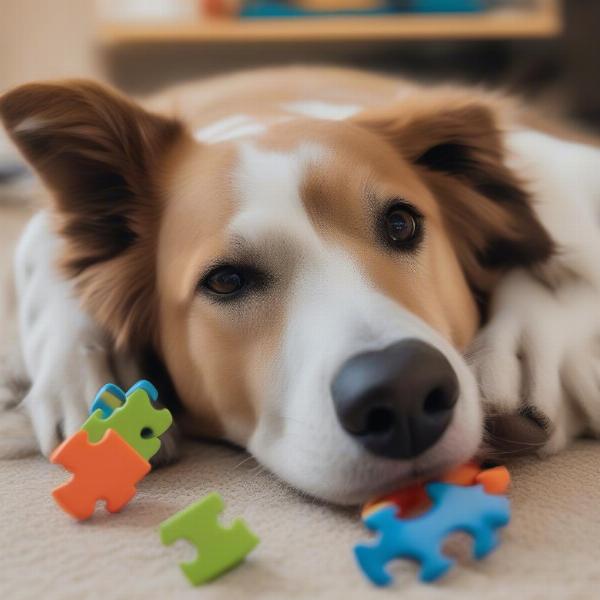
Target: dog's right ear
99,154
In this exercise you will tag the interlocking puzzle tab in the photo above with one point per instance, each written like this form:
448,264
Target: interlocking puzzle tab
219,548
111,396
137,421
107,470
455,508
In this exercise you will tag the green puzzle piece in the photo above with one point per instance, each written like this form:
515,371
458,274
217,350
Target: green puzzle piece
136,421
219,548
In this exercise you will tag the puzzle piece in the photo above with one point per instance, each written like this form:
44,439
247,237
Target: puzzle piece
495,480
138,422
456,508
111,396
106,471
219,548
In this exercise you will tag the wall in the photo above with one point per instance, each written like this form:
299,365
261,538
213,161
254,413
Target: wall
42,39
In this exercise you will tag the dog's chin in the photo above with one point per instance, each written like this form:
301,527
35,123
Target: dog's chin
320,460
361,491
348,481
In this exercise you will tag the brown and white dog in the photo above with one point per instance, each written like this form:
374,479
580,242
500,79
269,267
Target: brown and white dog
309,254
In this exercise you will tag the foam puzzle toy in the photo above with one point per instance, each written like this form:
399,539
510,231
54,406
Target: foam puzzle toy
137,421
107,470
455,508
111,396
110,453
412,499
219,548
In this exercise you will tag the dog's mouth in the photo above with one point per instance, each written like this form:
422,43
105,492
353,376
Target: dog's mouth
417,475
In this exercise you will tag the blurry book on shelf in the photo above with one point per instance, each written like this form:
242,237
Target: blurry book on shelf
190,10
291,8
265,9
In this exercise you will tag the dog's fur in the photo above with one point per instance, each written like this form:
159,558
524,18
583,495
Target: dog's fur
288,172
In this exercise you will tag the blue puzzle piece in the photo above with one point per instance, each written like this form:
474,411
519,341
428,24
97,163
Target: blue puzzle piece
111,396
455,508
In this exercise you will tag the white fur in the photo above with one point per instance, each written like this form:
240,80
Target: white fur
66,356
322,110
326,325
270,190
541,347
229,128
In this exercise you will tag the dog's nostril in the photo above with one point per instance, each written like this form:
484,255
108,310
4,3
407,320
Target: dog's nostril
380,420
436,401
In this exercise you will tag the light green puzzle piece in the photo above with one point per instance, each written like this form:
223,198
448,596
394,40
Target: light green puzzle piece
219,548
136,421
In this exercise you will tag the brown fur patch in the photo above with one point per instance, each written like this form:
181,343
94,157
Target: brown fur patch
99,154
455,141
346,195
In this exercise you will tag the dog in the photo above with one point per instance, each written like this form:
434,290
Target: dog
361,280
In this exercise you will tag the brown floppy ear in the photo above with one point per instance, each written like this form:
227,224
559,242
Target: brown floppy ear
453,137
99,155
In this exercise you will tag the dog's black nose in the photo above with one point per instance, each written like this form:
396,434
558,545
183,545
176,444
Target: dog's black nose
396,402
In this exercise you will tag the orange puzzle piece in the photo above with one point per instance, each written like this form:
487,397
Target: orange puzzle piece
413,498
107,470
494,480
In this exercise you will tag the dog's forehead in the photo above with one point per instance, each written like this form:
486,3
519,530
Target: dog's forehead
326,177
294,189
268,187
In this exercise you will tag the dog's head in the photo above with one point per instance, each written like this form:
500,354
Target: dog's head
309,290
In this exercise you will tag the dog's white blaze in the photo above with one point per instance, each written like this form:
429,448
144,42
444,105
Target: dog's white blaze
268,188
230,128
322,110
333,312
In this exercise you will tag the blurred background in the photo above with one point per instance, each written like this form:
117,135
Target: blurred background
546,50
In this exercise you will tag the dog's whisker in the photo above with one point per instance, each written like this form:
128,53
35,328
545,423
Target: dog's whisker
243,462
501,439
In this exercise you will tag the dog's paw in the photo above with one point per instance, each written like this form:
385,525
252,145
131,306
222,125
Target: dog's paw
62,391
535,365
516,409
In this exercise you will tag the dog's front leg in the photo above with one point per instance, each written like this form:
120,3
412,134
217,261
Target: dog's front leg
537,362
65,354
537,359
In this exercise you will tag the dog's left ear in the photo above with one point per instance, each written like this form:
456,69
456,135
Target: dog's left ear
100,155
454,139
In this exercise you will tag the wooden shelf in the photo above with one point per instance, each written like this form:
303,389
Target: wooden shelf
541,20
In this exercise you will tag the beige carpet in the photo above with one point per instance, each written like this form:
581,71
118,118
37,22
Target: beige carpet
550,550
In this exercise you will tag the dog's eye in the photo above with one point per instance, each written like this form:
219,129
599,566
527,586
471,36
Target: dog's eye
402,225
232,282
224,280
